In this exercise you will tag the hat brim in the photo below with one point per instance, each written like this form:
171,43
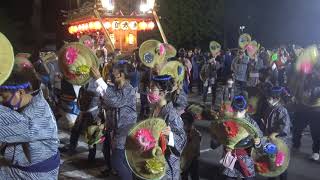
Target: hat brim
172,68
258,156
246,131
170,51
150,48
88,58
137,159
6,57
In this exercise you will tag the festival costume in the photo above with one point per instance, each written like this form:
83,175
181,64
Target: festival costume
244,166
89,104
28,135
239,67
122,115
34,125
172,154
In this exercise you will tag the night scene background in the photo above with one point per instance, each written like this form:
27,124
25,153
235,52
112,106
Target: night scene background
188,23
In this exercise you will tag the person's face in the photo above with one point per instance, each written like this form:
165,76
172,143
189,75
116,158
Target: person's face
118,78
272,101
190,53
10,99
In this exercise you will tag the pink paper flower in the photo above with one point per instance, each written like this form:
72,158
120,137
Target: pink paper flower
26,65
71,55
306,67
88,43
162,49
250,48
145,139
280,158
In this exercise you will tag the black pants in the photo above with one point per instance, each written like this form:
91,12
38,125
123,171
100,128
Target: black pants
193,171
145,107
200,86
240,87
283,176
302,119
106,149
205,92
82,122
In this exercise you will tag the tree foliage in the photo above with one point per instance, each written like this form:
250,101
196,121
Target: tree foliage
190,23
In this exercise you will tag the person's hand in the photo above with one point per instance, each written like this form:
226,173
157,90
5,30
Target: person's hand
95,73
257,141
228,150
166,131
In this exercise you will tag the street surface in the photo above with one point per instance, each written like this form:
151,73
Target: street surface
78,167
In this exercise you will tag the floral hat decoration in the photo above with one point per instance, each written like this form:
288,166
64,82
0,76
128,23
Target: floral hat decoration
75,61
23,76
145,147
231,131
174,69
170,51
152,52
6,58
273,158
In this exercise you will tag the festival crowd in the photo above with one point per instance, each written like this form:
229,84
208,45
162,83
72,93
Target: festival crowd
261,92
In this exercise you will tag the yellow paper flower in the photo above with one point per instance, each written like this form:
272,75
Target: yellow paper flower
154,166
83,69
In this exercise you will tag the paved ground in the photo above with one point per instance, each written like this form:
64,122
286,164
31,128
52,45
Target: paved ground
77,166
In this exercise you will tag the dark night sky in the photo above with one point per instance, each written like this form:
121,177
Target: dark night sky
273,22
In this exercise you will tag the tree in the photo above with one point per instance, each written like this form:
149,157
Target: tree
191,23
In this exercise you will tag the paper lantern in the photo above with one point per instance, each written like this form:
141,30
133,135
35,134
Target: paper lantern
97,25
107,25
91,25
80,28
133,25
86,27
124,25
151,25
131,39
115,25
143,25
71,30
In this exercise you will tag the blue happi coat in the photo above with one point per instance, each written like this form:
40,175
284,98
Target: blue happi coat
36,126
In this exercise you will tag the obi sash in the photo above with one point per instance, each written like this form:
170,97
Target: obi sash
41,167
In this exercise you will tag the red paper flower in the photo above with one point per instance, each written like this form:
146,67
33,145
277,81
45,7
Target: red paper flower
145,139
262,167
71,55
163,143
231,129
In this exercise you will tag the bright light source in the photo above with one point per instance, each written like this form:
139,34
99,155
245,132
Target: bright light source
147,5
107,4
150,4
131,39
144,8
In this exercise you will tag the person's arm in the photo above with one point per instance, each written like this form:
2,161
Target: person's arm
178,134
112,97
14,127
281,125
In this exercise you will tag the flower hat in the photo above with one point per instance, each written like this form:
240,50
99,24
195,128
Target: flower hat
75,61
145,147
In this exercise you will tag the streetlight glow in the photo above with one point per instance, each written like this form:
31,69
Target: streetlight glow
107,4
